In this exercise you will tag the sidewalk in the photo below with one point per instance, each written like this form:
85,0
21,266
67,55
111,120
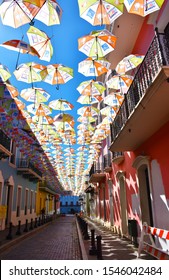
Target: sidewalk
113,246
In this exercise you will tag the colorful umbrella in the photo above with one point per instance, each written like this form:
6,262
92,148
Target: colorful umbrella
114,99
39,109
41,42
56,74
19,46
91,88
89,99
92,67
98,12
120,82
61,104
4,73
47,11
86,119
108,111
36,95
62,117
29,72
88,111
143,7
97,43
128,63
8,91
14,13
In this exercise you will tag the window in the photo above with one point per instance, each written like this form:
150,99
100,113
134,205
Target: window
35,197
18,202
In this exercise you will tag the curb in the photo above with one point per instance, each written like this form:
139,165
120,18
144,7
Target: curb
82,247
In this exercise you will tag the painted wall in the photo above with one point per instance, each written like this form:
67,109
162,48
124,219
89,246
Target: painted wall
69,204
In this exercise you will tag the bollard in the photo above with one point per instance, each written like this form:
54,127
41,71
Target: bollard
39,222
92,250
26,226
85,232
9,236
31,225
99,247
36,223
18,232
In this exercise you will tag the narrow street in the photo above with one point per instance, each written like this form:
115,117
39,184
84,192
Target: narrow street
57,241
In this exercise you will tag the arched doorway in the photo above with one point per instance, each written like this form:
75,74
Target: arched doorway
141,164
123,202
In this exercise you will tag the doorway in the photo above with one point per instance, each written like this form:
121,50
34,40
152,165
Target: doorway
9,204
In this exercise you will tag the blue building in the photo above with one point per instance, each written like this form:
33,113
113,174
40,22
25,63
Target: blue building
69,204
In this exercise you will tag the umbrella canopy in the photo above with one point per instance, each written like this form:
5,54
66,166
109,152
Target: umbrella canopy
47,11
14,13
97,43
98,12
114,99
8,91
41,42
29,72
88,111
108,111
89,99
4,73
61,104
120,82
143,7
93,67
19,46
36,95
91,88
62,117
39,109
128,63
55,74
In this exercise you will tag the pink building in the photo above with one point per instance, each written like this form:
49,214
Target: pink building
131,184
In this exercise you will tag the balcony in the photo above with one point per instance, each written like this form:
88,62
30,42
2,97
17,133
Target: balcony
4,145
107,162
97,174
28,170
45,187
145,107
117,157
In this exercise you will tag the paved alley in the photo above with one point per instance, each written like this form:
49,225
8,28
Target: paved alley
57,241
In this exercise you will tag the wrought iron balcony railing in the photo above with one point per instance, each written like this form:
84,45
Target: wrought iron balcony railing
5,140
107,160
156,57
24,163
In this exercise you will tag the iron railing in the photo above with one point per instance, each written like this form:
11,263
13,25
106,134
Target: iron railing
24,163
156,57
107,160
5,141
117,154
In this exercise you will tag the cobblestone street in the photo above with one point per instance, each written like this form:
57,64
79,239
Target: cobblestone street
57,241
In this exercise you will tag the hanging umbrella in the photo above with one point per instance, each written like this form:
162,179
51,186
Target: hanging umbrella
98,12
29,72
120,82
86,119
4,73
47,11
93,67
89,99
128,63
91,88
41,42
14,13
19,46
114,99
8,91
39,109
36,95
56,74
143,7
61,104
88,111
62,117
97,43
108,111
